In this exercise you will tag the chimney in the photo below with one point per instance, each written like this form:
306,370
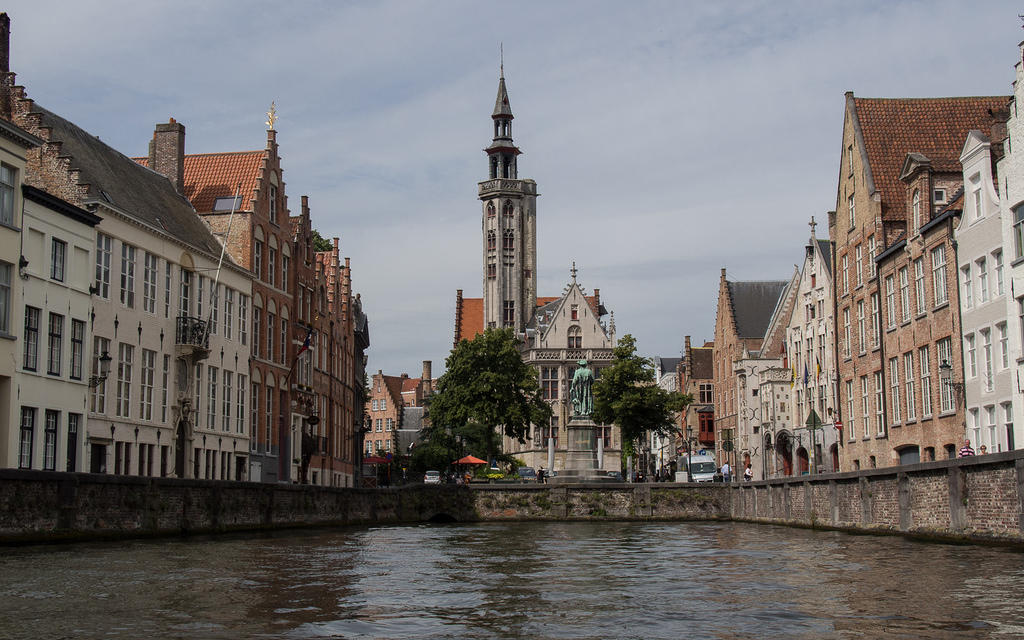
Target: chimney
405,376
167,153
597,296
5,65
427,380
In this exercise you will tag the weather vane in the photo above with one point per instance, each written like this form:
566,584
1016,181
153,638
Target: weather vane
271,116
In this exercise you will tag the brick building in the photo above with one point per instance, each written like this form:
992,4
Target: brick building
384,408
696,378
895,266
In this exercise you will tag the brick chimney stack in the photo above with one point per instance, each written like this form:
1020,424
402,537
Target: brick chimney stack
427,380
167,153
5,66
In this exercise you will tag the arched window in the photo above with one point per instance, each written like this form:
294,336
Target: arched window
508,240
508,211
575,337
490,210
917,211
492,241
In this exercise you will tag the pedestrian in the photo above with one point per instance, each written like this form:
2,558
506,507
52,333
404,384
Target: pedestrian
540,475
748,473
966,450
982,450
726,472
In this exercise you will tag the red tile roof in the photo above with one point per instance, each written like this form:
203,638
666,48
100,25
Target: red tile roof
935,127
209,176
410,384
469,314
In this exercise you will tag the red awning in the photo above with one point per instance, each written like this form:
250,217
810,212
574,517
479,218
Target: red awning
470,460
375,460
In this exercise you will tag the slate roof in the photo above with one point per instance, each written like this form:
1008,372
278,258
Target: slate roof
936,127
703,364
753,304
501,106
826,251
209,176
668,365
113,177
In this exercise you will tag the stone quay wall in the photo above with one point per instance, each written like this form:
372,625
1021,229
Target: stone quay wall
972,499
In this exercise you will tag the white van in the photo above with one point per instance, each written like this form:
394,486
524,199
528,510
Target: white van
702,467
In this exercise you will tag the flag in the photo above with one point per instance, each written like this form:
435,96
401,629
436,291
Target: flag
792,376
306,342
817,362
805,376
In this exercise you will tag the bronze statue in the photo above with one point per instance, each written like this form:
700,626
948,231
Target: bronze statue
580,392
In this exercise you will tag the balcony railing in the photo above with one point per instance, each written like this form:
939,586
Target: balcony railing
191,332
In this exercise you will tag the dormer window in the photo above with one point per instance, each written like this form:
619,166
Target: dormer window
227,204
916,208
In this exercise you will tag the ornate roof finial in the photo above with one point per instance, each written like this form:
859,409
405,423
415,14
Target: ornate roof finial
812,224
501,54
572,271
271,117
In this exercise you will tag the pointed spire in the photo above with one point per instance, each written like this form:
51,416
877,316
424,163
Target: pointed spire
502,109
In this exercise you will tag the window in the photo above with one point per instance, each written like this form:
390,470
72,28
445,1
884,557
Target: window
846,334
491,212
509,315
379,424
284,272
273,204
28,427
859,258
967,291
50,440
5,297
30,360
284,337
944,348
865,406
200,282
862,341
126,354
228,203
849,159
240,405
257,320
997,259
508,210
890,301
257,259
508,240
939,275
986,354
706,393
8,184
549,382
146,396
270,335
383,404
879,403
103,250
211,397
185,293
982,280
272,267
976,207
226,407
574,312
149,271
492,270
167,289
939,196
894,389
926,382
575,338
128,275
243,317
908,381
919,285
74,420
77,348
375,405
214,306
850,423
1004,346
916,208
229,312
492,241
971,352
56,341
389,424
1008,425
58,253
100,346
904,294
872,250
853,212
876,320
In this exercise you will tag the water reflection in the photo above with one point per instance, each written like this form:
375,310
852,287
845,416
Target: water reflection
516,580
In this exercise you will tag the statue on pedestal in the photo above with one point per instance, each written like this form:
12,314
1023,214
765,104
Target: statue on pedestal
580,392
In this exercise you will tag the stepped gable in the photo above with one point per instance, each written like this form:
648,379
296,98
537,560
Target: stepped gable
107,175
209,176
893,127
753,304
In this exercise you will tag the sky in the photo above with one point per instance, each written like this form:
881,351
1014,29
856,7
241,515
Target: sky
668,140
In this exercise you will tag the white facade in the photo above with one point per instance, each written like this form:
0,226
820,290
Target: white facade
751,377
51,385
981,259
1010,171
150,290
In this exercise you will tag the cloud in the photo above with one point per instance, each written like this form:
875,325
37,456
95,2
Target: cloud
667,139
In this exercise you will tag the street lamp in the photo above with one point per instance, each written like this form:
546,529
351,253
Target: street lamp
946,377
689,452
95,381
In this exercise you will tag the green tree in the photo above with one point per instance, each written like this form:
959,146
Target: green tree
487,386
321,243
625,395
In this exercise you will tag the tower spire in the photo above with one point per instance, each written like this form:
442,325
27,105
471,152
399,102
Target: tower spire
501,54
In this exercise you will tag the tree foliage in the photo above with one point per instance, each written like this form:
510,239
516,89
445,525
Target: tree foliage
626,395
321,243
486,385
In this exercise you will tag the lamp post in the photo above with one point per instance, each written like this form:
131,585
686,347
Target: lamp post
104,360
946,377
689,452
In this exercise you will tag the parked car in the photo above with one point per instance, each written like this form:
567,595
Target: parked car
432,477
615,475
527,474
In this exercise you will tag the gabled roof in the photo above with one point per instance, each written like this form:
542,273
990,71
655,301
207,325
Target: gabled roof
209,176
825,247
935,127
702,365
469,314
753,304
116,179
667,365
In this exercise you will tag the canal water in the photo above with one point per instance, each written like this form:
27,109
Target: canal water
519,580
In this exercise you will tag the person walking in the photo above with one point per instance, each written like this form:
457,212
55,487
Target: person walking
966,450
748,473
726,472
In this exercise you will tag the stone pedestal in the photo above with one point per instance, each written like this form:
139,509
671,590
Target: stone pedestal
581,461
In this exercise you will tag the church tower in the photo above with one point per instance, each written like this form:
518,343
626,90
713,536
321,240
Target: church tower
509,228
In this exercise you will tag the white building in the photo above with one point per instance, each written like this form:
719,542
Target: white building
55,279
663,447
988,375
